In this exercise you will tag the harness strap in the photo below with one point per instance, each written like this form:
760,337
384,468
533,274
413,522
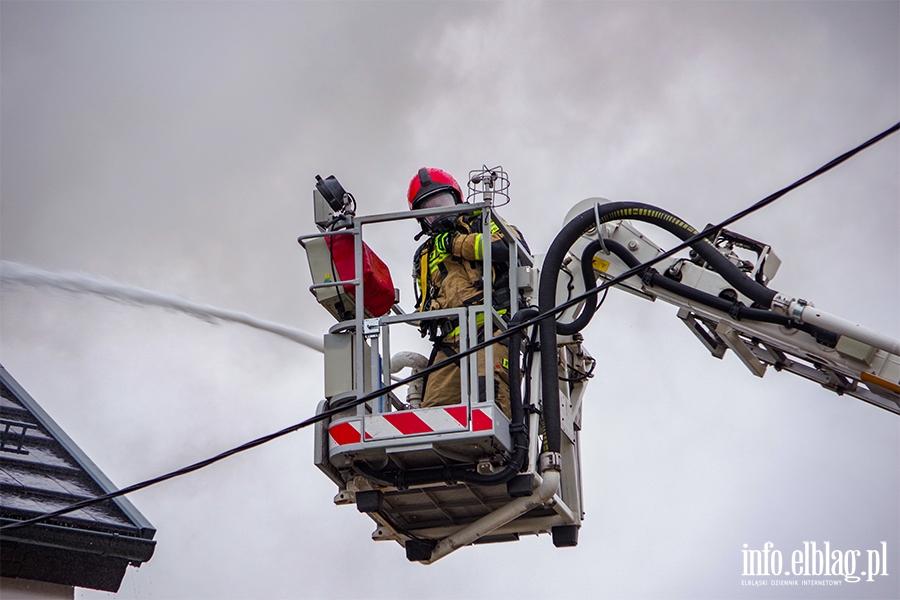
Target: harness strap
423,280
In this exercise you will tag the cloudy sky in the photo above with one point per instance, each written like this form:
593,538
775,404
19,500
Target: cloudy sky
173,146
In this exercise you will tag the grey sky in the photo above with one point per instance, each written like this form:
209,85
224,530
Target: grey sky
174,146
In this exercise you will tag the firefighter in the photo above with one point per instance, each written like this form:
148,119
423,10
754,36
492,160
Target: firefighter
447,269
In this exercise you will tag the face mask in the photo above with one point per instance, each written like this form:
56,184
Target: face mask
438,200
443,224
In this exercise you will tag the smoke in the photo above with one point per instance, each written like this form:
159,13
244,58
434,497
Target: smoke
15,273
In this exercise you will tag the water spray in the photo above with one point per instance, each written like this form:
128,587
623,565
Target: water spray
79,283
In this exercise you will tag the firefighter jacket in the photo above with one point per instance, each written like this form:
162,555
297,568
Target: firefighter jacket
448,272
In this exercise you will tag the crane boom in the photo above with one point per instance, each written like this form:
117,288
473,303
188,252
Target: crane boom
840,355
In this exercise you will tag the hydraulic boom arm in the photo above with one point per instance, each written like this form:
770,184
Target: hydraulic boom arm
729,306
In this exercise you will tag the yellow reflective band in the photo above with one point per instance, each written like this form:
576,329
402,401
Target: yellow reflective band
479,241
505,363
479,320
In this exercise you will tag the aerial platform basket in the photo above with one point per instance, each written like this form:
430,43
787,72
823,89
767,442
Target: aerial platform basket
438,478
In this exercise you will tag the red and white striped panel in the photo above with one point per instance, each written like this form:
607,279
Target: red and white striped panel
482,419
416,422
344,432
408,423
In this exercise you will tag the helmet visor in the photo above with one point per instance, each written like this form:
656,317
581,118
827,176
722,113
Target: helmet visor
437,200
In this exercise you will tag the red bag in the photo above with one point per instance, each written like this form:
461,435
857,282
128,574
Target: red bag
378,289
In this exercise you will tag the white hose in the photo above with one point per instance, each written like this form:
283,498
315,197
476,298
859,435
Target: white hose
416,362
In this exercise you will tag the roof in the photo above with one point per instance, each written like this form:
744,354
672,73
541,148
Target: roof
42,470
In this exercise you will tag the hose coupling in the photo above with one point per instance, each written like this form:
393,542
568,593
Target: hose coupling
550,461
781,304
795,311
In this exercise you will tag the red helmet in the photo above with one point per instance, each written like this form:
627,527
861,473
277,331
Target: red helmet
429,182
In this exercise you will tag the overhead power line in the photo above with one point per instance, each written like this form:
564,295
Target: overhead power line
537,319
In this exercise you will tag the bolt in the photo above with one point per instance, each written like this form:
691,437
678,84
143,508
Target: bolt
633,245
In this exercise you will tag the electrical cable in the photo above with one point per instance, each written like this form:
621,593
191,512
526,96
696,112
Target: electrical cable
509,332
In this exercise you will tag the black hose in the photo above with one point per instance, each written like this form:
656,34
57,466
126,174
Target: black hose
569,234
517,429
528,362
735,309
518,435
614,211
590,303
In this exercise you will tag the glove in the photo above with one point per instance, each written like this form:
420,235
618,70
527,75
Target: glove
443,242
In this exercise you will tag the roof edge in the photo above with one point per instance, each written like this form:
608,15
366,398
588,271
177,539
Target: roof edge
133,549
140,521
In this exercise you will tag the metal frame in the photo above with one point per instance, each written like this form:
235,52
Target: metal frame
375,328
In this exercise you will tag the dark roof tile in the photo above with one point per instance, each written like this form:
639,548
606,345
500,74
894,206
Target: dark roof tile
43,470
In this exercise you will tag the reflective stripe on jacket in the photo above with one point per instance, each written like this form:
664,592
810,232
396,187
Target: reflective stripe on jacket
452,277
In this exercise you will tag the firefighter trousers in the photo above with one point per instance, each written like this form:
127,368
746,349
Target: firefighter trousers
443,386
